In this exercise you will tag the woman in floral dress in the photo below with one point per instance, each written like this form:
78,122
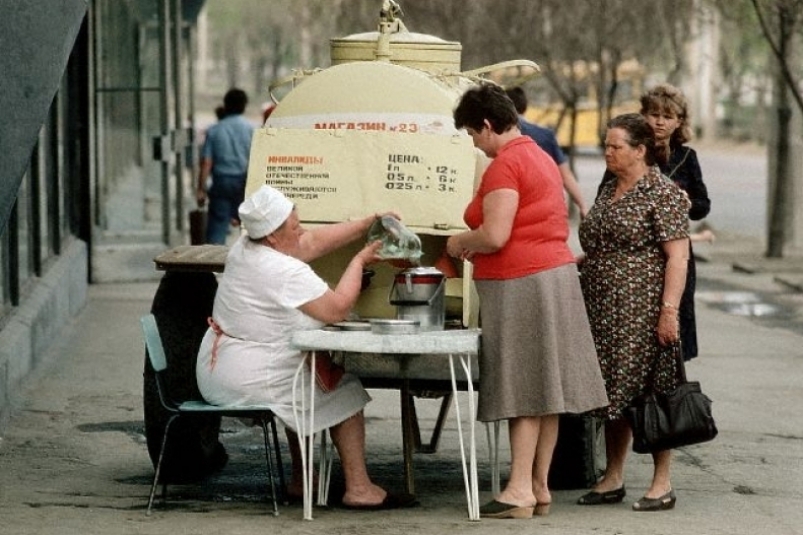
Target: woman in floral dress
635,239
667,112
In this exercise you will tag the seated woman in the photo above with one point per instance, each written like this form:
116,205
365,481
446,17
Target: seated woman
267,292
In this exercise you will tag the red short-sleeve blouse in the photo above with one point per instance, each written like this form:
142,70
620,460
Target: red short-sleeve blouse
540,227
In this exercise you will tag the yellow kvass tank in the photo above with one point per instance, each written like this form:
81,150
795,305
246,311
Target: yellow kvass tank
374,133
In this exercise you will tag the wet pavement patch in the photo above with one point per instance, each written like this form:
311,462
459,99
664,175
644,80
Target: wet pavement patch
133,428
739,303
778,309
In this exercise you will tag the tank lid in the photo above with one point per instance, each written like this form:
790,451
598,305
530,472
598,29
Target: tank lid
393,42
397,37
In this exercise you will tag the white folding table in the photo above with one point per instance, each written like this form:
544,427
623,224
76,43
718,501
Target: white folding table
461,343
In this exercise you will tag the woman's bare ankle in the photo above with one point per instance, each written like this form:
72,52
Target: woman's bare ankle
364,494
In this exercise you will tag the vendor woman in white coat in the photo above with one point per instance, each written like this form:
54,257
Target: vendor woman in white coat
268,292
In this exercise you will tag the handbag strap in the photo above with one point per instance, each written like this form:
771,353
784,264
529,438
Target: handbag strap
680,369
681,365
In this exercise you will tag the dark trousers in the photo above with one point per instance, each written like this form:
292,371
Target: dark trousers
225,196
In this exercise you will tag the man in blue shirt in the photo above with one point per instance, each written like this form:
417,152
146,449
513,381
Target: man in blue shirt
546,139
224,157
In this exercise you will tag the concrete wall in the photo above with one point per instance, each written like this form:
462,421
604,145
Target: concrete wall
30,331
36,39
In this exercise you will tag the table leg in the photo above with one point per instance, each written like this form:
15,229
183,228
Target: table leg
470,469
407,437
472,412
435,438
304,428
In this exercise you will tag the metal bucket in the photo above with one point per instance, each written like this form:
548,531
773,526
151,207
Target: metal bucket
418,294
416,286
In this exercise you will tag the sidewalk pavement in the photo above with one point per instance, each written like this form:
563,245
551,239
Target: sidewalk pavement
73,458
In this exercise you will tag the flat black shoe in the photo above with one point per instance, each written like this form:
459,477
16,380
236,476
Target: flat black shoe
603,498
662,503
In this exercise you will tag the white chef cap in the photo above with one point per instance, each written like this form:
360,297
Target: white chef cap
264,211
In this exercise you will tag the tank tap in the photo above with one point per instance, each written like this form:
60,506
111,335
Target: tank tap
389,22
390,11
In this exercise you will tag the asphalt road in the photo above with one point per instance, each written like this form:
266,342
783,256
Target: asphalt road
736,178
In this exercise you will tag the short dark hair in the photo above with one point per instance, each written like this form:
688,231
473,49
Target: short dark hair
235,101
638,131
486,101
519,98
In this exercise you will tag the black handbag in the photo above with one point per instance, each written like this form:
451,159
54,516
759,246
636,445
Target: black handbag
663,421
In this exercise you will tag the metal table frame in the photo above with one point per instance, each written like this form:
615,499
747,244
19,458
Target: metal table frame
449,344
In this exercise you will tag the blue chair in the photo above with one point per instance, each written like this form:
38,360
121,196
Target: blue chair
176,408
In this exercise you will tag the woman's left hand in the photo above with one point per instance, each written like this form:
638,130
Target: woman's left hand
668,329
455,250
370,253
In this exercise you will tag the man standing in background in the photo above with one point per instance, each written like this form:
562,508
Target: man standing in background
546,139
224,157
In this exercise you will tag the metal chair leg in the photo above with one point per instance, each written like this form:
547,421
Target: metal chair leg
269,462
159,467
279,465
327,456
493,449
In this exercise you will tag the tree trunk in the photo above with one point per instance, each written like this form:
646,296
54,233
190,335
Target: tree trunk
573,211
777,209
778,199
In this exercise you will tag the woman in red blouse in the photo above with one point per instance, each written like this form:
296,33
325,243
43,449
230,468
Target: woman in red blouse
538,358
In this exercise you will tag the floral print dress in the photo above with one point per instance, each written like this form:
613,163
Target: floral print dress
622,279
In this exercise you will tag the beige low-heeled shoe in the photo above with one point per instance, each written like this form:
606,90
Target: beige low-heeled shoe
496,509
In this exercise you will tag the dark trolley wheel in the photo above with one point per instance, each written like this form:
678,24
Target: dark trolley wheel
181,305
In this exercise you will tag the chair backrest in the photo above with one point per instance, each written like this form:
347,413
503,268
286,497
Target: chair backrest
156,356
153,343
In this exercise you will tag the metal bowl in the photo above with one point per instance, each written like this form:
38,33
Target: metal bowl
353,326
384,326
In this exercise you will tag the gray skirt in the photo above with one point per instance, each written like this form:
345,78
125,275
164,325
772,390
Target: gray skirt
537,355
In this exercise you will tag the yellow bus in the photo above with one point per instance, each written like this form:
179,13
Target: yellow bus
583,75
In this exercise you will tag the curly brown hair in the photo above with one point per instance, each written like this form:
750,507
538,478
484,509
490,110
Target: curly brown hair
668,98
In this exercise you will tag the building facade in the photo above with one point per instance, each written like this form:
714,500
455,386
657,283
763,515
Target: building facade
97,157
